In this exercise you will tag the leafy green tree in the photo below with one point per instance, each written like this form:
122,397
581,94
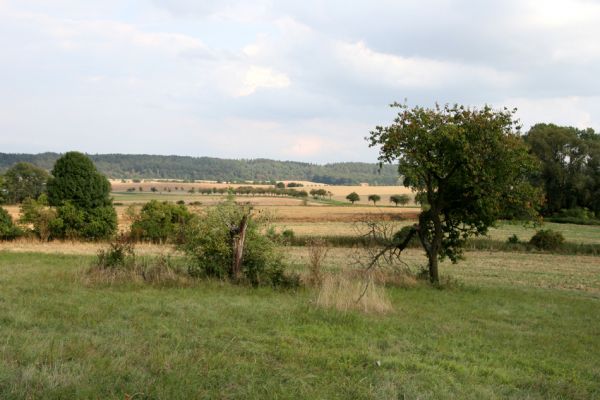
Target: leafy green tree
374,198
401,199
82,197
470,164
24,180
570,158
353,197
76,180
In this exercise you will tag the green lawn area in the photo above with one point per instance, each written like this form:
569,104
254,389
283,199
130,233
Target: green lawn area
61,339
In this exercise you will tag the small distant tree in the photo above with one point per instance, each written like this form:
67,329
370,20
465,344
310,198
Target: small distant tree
401,199
24,180
374,198
353,197
471,166
280,185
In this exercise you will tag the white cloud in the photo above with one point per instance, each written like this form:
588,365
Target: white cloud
581,112
260,77
416,72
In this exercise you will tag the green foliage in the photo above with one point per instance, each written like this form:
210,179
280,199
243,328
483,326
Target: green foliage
571,166
92,224
8,230
374,198
547,239
514,239
76,180
160,222
206,168
119,255
81,196
44,219
468,164
401,199
22,181
353,197
208,243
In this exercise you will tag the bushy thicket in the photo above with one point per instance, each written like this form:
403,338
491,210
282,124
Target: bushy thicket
160,222
8,230
209,242
547,239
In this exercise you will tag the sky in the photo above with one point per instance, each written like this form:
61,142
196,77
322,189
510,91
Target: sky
289,80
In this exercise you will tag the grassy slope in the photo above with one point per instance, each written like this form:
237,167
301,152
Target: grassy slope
61,339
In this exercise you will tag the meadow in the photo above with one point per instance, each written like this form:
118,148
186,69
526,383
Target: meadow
502,325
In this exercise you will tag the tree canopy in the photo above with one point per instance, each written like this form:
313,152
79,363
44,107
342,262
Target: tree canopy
471,167
22,181
76,180
571,166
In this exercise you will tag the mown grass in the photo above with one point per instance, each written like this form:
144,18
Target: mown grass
62,339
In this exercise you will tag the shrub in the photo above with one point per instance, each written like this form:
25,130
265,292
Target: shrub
43,219
547,240
514,239
8,230
160,222
210,242
120,254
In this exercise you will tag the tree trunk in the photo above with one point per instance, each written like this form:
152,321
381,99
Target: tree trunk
238,249
433,268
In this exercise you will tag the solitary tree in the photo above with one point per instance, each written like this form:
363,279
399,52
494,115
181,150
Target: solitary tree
401,199
352,197
470,165
24,180
81,195
374,198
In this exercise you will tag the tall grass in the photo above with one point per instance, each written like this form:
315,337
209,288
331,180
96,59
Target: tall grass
345,294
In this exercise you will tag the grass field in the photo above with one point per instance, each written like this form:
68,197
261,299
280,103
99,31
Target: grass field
497,335
505,325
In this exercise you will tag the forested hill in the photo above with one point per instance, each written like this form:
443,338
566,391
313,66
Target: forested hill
207,168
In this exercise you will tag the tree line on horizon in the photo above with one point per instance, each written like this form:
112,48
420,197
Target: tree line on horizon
142,166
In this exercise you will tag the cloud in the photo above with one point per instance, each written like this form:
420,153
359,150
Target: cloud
260,77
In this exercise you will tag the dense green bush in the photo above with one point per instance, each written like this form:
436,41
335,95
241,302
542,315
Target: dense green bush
160,222
8,230
547,239
208,243
403,233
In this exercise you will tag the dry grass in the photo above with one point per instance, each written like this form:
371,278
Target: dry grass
345,294
317,252
76,248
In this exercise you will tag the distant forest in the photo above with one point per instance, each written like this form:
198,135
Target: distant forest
142,166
